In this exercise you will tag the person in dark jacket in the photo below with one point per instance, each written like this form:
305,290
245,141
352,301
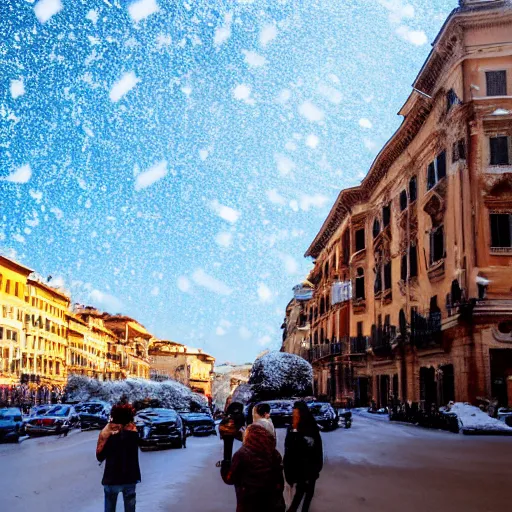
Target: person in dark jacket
231,428
256,472
118,444
303,456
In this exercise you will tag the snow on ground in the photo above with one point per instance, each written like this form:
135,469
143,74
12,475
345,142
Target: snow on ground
474,419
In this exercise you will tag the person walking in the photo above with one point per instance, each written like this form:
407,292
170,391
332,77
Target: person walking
256,471
303,456
261,416
231,428
118,445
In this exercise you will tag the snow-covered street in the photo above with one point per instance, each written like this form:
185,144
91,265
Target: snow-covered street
374,465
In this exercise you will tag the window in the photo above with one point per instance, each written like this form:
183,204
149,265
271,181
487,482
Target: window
360,284
345,241
403,268
501,229
413,261
459,150
8,286
386,216
451,99
326,269
436,244
436,170
387,276
17,289
359,329
403,200
377,287
412,189
496,82
499,150
360,245
376,228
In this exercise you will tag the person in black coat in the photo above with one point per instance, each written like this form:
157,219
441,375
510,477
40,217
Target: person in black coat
231,428
303,456
118,445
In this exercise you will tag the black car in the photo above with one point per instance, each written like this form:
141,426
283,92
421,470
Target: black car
59,419
160,427
198,423
93,414
280,412
325,415
11,424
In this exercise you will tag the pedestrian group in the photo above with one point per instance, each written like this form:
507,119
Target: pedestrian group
256,470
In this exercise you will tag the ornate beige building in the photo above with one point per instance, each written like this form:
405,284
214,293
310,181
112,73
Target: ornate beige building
424,245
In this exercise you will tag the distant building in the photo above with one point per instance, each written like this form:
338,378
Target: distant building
190,366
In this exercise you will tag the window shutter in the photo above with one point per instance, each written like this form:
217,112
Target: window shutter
496,82
499,150
441,166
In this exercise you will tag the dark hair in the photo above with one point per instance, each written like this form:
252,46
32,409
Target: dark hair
307,423
122,414
262,409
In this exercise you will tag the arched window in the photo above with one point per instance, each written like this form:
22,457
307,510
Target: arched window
376,227
360,283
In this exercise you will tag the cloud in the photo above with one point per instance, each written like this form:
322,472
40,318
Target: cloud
244,332
284,164
284,96
225,212
264,293
253,59
123,86
369,144
264,340
242,92
152,175
105,301
201,278
224,239
275,197
18,238
141,9
365,123
17,88
416,37
184,284
306,202
223,327
20,175
92,16
268,33
222,34
45,9
312,141
330,93
290,264
398,10
220,331
203,154
155,291
311,112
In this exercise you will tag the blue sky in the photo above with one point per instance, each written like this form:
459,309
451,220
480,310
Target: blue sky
173,160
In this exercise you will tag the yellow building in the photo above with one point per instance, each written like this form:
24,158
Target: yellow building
46,326
13,286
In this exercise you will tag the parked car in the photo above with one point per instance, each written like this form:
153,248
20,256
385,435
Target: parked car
11,424
280,412
198,423
160,427
325,415
59,419
93,414
35,410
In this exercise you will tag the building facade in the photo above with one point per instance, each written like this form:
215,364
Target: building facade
424,244
190,366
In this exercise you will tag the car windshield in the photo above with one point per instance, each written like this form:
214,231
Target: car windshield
158,413
319,408
59,410
8,414
280,406
90,408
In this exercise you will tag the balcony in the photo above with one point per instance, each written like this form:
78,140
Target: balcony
359,345
426,329
336,348
382,337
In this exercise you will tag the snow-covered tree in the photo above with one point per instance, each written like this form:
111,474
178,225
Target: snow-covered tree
281,375
169,393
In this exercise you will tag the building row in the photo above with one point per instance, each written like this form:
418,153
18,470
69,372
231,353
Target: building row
410,297
43,340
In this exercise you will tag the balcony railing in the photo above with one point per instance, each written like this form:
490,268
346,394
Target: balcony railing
359,344
382,337
426,328
331,348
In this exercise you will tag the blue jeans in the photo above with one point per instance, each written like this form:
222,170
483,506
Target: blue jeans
111,492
